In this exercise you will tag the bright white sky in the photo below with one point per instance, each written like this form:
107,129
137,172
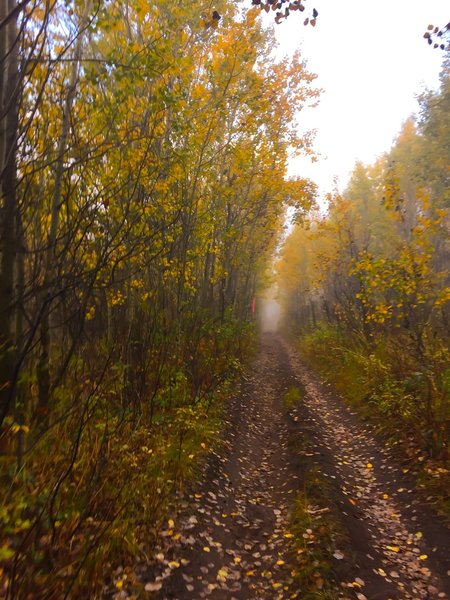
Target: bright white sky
372,62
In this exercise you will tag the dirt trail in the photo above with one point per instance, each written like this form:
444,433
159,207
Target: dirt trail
234,535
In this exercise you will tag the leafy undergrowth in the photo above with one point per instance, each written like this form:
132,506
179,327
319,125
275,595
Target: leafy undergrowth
95,487
65,542
387,389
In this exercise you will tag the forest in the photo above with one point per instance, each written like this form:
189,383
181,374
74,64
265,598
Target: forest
370,279
144,149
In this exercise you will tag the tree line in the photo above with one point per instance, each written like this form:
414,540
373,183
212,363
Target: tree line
142,164
368,283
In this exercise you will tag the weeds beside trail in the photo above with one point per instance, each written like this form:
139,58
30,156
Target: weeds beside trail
389,390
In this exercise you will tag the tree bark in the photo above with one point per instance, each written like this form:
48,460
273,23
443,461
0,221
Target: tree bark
9,100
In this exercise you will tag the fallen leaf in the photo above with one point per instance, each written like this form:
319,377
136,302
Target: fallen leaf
394,574
153,587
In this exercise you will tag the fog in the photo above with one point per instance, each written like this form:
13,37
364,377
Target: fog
269,315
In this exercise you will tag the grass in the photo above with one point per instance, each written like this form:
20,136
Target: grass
316,534
291,398
313,521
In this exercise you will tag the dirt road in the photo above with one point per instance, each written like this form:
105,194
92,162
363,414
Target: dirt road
235,534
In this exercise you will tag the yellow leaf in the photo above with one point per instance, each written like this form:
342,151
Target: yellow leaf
206,549
423,557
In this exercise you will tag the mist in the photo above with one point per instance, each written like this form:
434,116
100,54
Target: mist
269,315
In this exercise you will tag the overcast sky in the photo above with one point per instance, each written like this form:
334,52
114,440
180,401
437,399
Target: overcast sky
372,62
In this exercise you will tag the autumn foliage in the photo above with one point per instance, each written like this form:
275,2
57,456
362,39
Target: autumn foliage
368,283
142,188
